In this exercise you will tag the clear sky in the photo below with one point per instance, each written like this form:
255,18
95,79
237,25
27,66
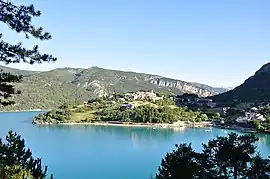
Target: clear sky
215,42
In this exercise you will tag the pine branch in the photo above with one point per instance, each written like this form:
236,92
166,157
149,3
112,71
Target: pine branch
17,53
19,19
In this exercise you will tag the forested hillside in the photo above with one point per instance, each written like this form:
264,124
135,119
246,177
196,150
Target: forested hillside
50,89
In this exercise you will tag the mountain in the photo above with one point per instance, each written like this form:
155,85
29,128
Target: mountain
50,89
217,90
254,89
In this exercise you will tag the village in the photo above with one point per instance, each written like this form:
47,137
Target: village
239,117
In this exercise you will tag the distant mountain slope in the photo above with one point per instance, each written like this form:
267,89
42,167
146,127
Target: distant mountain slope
216,90
254,89
49,89
17,71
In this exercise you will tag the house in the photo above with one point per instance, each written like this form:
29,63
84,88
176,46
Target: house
205,102
122,99
254,109
192,99
158,98
250,116
129,96
260,117
127,106
144,95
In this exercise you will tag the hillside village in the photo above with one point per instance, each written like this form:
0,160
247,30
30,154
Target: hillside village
154,107
233,117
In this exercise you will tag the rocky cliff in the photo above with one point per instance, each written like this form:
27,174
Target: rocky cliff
183,87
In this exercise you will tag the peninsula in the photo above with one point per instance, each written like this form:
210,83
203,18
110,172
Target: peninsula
141,108
146,108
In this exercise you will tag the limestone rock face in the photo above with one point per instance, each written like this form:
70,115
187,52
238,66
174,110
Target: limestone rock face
184,87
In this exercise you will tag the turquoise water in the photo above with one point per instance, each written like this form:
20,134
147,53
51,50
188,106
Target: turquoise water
105,152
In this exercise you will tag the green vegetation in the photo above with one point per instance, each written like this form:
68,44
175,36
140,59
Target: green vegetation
17,162
165,102
262,125
254,89
212,115
50,89
224,157
58,115
147,113
19,19
103,110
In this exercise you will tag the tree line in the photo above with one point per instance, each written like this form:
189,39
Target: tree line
232,156
151,114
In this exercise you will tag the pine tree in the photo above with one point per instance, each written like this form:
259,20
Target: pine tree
227,157
19,19
17,162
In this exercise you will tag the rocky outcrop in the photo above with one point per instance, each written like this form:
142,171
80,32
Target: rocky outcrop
183,87
97,88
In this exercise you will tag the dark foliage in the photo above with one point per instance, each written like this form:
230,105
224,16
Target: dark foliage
182,159
227,157
17,162
147,113
19,19
56,115
254,89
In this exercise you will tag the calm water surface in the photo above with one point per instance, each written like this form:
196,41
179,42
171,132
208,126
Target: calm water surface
105,152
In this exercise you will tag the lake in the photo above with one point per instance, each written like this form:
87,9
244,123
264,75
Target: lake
105,152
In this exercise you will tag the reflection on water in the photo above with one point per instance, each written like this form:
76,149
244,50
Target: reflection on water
142,135
136,134
264,139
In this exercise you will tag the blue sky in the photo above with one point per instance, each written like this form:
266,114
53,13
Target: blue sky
219,43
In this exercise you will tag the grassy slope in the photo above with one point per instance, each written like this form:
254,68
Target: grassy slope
90,115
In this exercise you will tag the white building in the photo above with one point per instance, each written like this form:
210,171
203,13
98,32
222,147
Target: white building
141,95
249,117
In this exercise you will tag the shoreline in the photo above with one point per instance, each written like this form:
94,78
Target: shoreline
28,110
181,125
244,130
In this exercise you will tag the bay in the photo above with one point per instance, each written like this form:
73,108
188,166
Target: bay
105,152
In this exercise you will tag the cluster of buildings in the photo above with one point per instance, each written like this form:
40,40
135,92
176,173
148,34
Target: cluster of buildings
251,115
244,119
141,95
190,99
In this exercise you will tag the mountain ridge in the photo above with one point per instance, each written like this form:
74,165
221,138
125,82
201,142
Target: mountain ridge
219,89
49,89
256,88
